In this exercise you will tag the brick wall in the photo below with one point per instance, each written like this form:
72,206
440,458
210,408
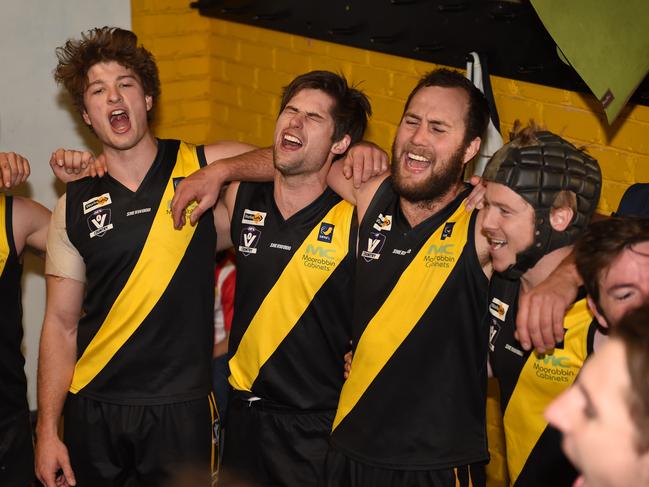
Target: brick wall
222,80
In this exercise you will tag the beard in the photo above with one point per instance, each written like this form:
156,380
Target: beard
444,176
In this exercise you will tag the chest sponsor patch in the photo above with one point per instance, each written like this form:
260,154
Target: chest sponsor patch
326,232
498,309
383,222
99,222
96,202
375,243
253,217
249,240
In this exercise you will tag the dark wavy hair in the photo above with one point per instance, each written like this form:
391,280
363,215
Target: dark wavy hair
104,44
351,108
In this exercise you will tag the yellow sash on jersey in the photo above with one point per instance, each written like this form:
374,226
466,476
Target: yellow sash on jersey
4,240
414,292
309,268
163,250
542,379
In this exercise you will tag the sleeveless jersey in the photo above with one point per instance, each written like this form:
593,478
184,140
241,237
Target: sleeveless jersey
415,398
530,381
13,383
147,333
293,298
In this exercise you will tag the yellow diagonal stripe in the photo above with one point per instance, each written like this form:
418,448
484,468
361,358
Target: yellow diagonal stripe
288,299
523,419
4,240
401,311
163,250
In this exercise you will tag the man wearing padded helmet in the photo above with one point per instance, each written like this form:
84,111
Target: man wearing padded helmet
541,193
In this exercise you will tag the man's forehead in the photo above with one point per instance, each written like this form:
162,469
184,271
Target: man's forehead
630,267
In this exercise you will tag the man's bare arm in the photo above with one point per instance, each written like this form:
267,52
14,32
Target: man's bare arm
539,322
56,361
30,223
226,164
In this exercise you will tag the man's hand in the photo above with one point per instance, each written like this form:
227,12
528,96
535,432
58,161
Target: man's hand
14,169
202,187
541,311
70,165
52,463
364,161
476,198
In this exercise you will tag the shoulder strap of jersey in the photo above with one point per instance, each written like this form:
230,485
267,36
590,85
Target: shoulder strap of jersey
413,293
5,248
162,252
282,307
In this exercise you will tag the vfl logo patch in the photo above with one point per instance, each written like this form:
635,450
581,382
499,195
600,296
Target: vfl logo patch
498,309
96,202
326,232
383,223
448,230
249,240
99,222
374,245
253,217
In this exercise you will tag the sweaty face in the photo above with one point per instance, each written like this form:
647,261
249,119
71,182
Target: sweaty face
593,416
508,224
116,106
428,153
625,284
303,133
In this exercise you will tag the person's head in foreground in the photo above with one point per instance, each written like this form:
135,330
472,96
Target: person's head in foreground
541,193
613,259
604,416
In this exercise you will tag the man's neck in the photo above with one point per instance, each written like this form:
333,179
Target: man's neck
130,166
293,193
417,212
544,267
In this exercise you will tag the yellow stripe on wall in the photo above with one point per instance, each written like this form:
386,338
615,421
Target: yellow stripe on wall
163,250
412,295
282,307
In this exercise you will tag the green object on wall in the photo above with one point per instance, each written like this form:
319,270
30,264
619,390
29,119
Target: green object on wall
605,41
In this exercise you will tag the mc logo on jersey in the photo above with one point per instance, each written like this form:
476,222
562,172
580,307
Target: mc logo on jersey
326,232
249,240
375,242
99,222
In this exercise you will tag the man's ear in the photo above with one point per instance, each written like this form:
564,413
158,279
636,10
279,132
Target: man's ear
471,150
560,218
148,99
86,118
596,312
341,146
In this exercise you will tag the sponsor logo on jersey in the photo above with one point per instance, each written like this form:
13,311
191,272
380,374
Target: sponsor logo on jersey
99,222
498,309
383,222
138,212
448,230
554,367
442,256
375,243
253,217
401,252
249,240
326,232
318,257
275,245
96,202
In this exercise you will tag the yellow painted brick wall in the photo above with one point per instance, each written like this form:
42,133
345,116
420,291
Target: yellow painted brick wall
222,80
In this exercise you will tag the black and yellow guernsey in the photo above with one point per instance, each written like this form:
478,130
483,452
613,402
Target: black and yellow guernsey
147,332
530,381
13,383
415,399
293,298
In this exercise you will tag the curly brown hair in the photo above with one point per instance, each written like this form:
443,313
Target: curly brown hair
104,44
